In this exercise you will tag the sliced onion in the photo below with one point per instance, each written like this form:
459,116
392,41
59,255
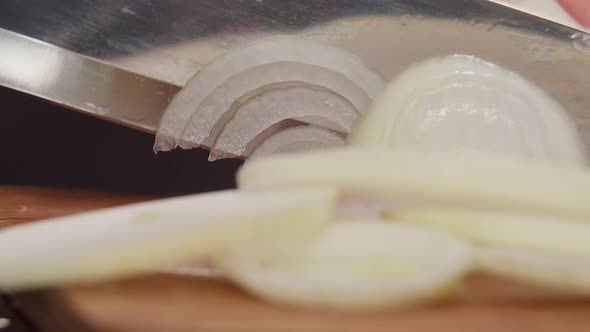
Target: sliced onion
136,239
290,52
553,236
565,273
298,139
462,102
193,269
538,250
317,106
215,154
364,265
211,115
443,179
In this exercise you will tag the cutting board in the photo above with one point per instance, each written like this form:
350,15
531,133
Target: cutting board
168,303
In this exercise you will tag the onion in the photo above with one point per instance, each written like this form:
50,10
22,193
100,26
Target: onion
215,110
565,273
543,234
406,177
196,115
461,102
317,106
538,250
261,137
493,160
136,239
364,265
298,139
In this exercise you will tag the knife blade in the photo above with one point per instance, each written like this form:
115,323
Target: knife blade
123,61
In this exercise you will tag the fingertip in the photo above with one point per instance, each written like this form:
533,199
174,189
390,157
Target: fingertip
578,9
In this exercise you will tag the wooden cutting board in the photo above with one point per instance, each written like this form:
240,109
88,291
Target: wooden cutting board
166,303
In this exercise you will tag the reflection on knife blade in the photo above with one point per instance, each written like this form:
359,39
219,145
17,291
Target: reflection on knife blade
82,83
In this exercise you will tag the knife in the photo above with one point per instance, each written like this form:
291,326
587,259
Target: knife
123,61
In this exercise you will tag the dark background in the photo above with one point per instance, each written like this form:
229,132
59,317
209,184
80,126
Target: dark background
46,145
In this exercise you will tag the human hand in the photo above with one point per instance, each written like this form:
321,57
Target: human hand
579,9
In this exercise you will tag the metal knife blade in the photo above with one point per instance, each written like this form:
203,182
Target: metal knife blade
82,83
123,61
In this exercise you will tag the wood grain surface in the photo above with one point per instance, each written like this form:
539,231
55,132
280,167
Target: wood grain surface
169,303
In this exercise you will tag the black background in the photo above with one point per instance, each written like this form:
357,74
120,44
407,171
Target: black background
46,145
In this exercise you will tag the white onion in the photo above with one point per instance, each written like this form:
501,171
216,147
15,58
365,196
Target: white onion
540,233
139,238
318,59
451,179
364,265
215,110
317,106
298,139
461,102
565,273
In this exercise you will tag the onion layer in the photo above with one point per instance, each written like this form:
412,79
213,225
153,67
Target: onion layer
311,105
139,238
358,266
433,179
215,110
298,139
565,273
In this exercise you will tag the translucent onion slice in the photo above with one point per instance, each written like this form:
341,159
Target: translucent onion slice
215,154
365,265
561,272
259,53
462,102
545,234
443,179
212,114
311,105
298,139
139,238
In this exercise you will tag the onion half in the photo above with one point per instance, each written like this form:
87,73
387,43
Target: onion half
462,102
139,238
365,265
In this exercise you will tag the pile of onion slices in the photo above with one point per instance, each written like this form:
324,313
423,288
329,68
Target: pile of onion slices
427,215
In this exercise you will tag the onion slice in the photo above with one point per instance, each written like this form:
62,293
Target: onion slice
443,179
140,238
212,114
461,102
538,250
298,139
366,265
560,272
553,236
311,105
257,54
